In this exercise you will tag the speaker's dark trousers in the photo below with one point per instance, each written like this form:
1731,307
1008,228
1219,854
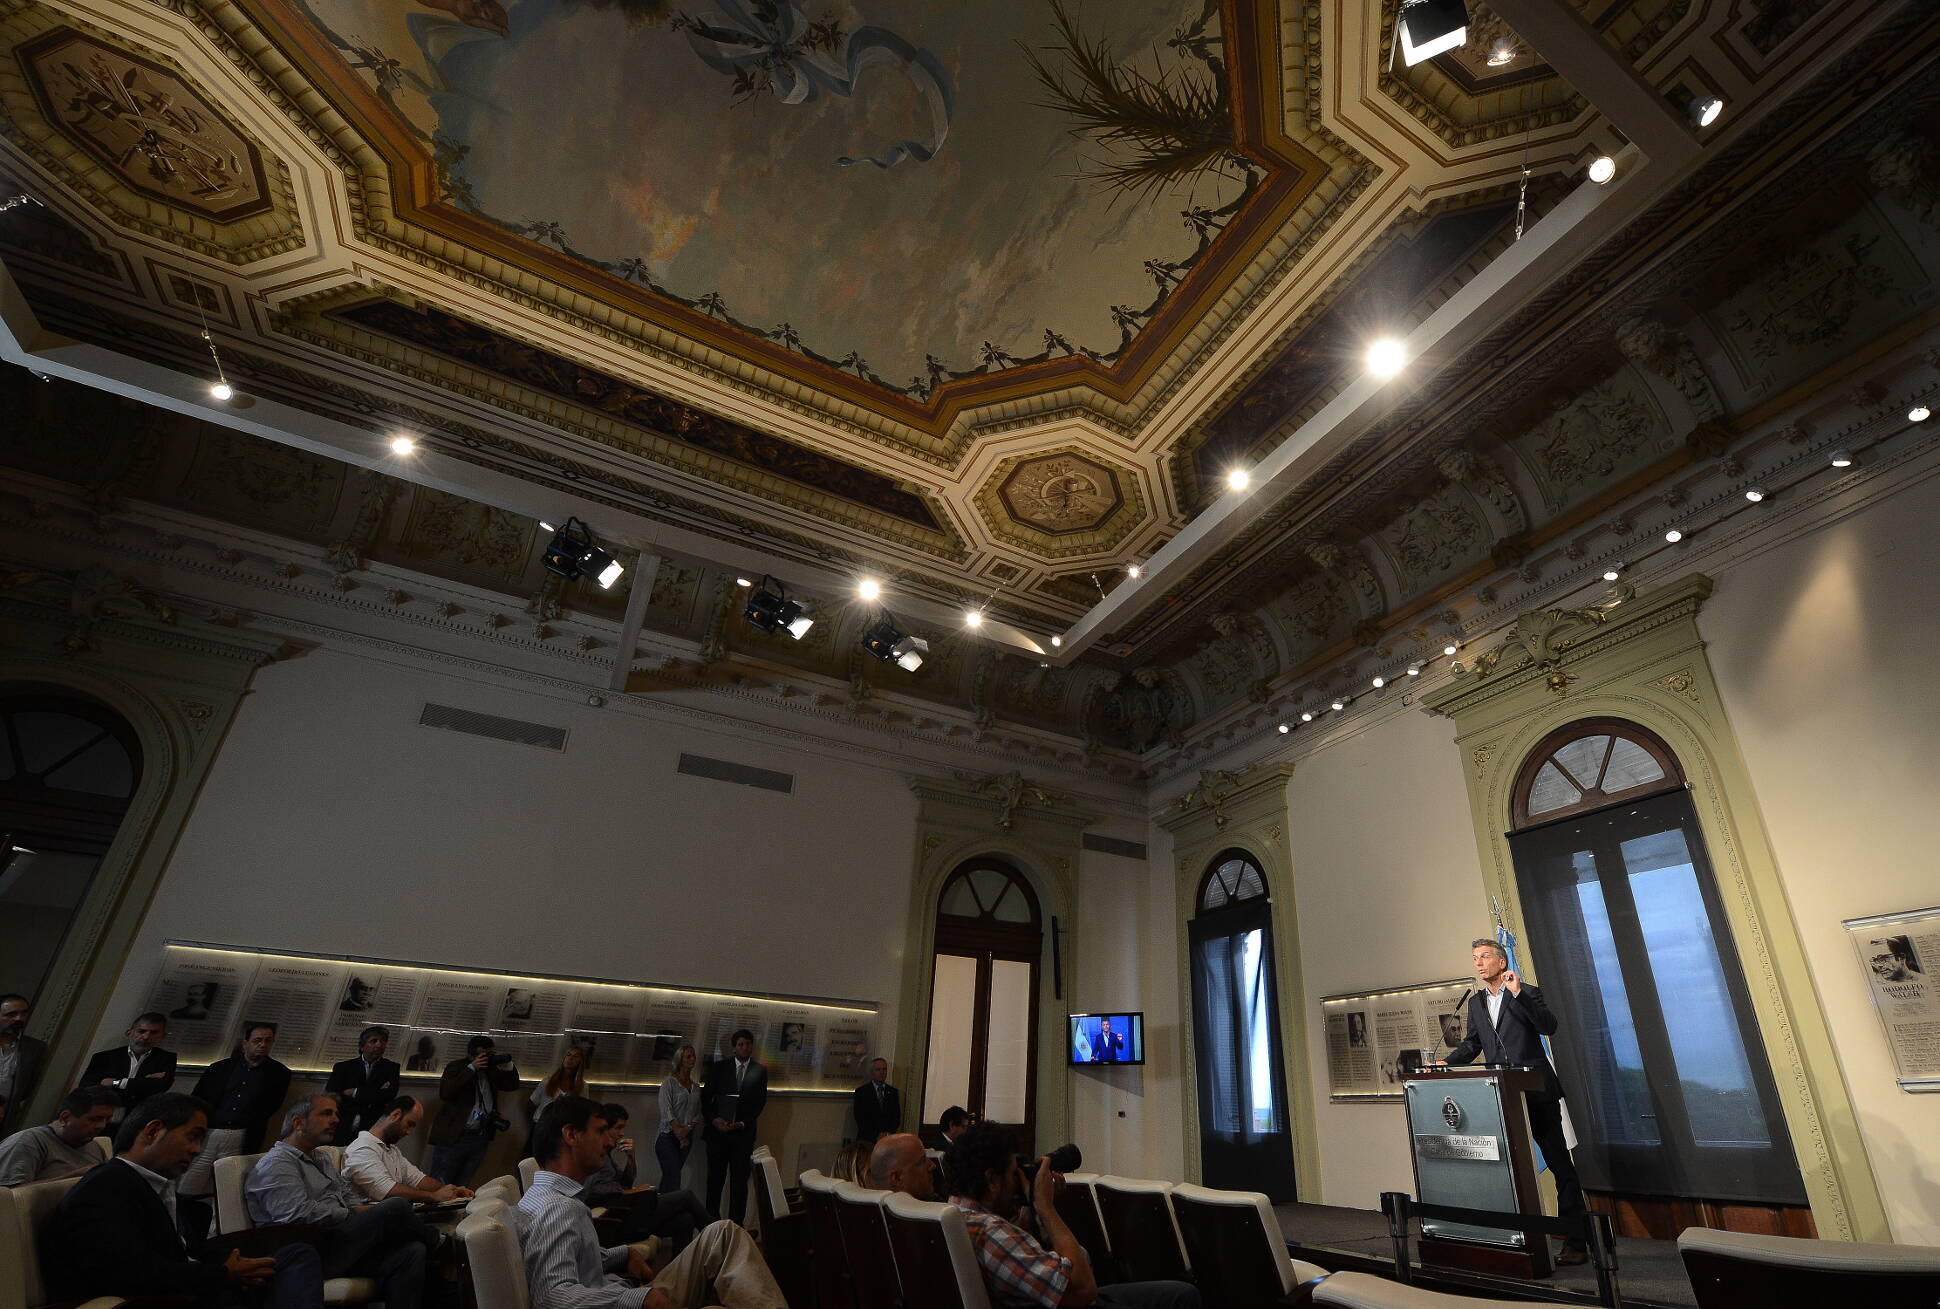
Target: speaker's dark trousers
1546,1125
728,1155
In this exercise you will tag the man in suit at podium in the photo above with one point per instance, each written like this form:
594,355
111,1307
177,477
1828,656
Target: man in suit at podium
1507,1020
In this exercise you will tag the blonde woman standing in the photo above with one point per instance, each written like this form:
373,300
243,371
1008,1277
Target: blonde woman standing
567,1079
680,1113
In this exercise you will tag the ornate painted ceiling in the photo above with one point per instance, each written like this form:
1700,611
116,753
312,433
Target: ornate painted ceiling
983,299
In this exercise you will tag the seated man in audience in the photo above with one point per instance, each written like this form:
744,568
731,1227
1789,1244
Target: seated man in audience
899,1164
674,1215
954,1123
64,1147
565,1266
140,1068
293,1184
375,1165
119,1231
987,1184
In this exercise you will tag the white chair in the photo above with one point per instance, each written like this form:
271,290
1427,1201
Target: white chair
769,1197
933,1254
493,1261
105,1147
1235,1243
528,1169
232,1215
1364,1291
1785,1271
504,1188
486,1205
22,1211
1144,1233
332,1155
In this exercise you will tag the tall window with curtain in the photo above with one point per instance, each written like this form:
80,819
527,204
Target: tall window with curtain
1659,1052
983,998
1244,1142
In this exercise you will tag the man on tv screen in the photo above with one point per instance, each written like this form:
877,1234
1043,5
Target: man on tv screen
1109,1048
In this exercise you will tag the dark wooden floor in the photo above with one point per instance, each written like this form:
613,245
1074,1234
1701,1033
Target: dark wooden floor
1650,1273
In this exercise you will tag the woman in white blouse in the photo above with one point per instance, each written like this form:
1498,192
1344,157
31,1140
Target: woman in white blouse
680,1113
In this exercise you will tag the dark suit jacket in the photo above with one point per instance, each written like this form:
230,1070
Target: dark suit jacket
31,1059
157,1073
458,1092
1108,1049
1526,1019
872,1121
262,1106
719,1081
359,1099
111,1235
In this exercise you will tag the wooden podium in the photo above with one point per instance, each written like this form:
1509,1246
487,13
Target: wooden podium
1468,1134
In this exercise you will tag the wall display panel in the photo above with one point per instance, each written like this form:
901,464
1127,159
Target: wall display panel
1901,956
632,1031
1369,1032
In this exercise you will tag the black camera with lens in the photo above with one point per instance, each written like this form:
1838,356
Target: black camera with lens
1065,1159
500,1059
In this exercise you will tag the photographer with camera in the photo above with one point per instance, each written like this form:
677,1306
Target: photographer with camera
1000,1202
468,1118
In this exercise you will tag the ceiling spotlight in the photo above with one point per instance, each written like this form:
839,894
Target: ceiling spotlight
1307,717
771,611
1755,494
221,390
1238,479
572,554
1339,705
1502,51
744,582
1380,682
1917,414
1610,574
544,526
1057,641
1842,459
403,445
1705,109
1602,169
1386,357
1673,536
1134,572
973,618
1284,729
886,643
1430,27
1414,670
1449,649
869,589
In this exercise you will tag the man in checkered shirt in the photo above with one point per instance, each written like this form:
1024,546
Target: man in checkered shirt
988,1185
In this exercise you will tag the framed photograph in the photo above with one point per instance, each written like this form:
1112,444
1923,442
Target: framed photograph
1900,954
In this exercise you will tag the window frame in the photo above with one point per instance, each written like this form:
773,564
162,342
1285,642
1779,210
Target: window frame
1590,800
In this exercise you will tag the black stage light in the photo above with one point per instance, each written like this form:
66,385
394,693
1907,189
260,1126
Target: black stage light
1431,27
885,642
770,610
573,554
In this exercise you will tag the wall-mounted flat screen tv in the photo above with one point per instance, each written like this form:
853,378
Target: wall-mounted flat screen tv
1108,1038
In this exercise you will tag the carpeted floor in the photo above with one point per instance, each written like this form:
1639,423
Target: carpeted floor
1649,1273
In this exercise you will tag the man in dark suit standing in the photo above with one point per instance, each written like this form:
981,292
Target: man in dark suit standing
243,1092
140,1068
878,1106
364,1085
1507,1020
21,1060
119,1231
733,1094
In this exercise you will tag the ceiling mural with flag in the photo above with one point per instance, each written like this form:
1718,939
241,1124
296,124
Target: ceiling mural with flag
794,169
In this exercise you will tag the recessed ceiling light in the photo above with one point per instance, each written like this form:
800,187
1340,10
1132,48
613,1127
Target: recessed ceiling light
1705,109
1755,494
403,445
1673,536
869,589
1449,649
1918,413
1339,705
1386,357
1602,169
1238,479
1380,682
1842,459
1307,717
1611,574
1414,670
1284,729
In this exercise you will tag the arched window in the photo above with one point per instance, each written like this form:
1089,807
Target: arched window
1658,1048
1244,1143
68,768
983,997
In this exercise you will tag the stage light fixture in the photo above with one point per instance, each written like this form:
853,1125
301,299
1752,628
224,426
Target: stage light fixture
221,390
1842,459
1919,414
1602,169
770,610
885,642
1502,51
1673,536
1386,357
1756,494
1134,572
403,445
973,618
1238,479
572,554
869,589
1430,27
1705,109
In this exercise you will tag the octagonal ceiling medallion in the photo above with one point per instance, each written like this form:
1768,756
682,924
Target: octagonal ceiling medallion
1059,503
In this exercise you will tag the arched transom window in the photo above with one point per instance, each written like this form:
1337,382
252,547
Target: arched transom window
1590,764
1231,880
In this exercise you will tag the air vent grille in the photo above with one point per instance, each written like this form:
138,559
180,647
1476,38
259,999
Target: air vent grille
470,721
1112,845
722,770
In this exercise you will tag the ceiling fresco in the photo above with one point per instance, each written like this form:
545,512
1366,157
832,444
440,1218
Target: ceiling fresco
795,168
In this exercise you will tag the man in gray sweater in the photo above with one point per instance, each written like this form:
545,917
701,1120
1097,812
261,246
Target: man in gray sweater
64,1147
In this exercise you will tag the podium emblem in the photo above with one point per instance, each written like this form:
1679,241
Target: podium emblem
1451,1113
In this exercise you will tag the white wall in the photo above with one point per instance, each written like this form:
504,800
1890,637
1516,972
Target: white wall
1824,651
1389,893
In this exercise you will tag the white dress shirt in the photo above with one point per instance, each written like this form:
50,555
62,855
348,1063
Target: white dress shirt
565,1266
375,1168
1494,1001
